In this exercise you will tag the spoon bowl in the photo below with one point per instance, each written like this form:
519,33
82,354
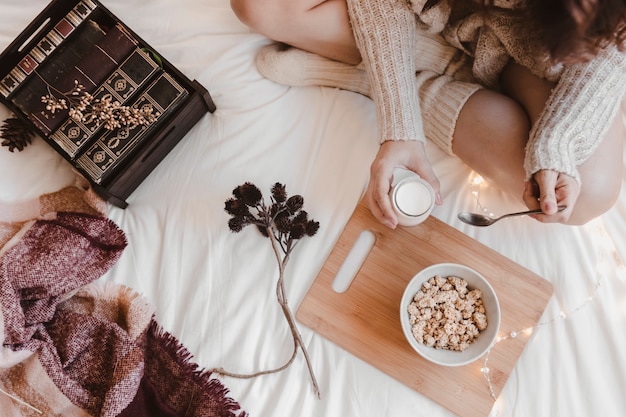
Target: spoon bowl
481,220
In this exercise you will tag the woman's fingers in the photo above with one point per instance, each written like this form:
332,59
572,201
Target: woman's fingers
410,155
550,190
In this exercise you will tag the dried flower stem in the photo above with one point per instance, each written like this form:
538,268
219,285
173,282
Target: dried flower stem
282,300
222,371
284,305
284,222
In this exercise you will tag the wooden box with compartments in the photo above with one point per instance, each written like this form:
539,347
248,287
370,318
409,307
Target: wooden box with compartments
99,94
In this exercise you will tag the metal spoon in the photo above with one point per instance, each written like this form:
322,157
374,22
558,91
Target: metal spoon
477,219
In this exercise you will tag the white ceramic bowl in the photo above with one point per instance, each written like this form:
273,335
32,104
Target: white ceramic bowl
485,339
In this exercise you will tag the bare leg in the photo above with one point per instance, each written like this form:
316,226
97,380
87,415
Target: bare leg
318,26
494,122
492,129
490,135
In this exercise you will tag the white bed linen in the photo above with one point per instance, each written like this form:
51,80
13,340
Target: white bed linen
214,289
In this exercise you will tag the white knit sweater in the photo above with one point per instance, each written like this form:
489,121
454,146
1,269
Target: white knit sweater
575,119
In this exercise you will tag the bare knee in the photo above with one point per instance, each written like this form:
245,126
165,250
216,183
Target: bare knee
260,16
490,136
595,199
276,19
600,191
491,116
240,8
247,11
318,26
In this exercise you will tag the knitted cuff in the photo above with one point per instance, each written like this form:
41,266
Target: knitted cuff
442,99
578,114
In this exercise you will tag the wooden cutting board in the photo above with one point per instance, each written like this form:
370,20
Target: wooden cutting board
365,319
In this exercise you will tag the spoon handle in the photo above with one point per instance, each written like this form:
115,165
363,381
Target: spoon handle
536,211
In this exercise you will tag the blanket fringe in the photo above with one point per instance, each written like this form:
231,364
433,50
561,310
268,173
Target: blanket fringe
197,374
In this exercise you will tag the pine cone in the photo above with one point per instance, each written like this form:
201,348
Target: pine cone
16,134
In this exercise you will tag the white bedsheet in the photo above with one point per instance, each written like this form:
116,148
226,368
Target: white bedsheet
214,289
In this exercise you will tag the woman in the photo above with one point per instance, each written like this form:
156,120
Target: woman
527,93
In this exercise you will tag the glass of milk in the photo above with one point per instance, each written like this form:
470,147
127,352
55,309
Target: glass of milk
413,199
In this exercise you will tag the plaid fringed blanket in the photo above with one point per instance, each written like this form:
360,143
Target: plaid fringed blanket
72,347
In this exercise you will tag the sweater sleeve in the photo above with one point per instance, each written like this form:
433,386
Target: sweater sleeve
386,33
578,114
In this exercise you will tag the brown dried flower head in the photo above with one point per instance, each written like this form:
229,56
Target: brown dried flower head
284,217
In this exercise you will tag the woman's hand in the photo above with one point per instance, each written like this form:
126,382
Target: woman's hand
549,189
394,154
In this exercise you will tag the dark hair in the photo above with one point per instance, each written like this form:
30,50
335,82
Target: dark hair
572,30
575,30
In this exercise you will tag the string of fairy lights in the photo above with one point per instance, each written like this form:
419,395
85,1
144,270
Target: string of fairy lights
604,244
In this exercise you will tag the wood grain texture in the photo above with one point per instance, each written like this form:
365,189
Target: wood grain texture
365,319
